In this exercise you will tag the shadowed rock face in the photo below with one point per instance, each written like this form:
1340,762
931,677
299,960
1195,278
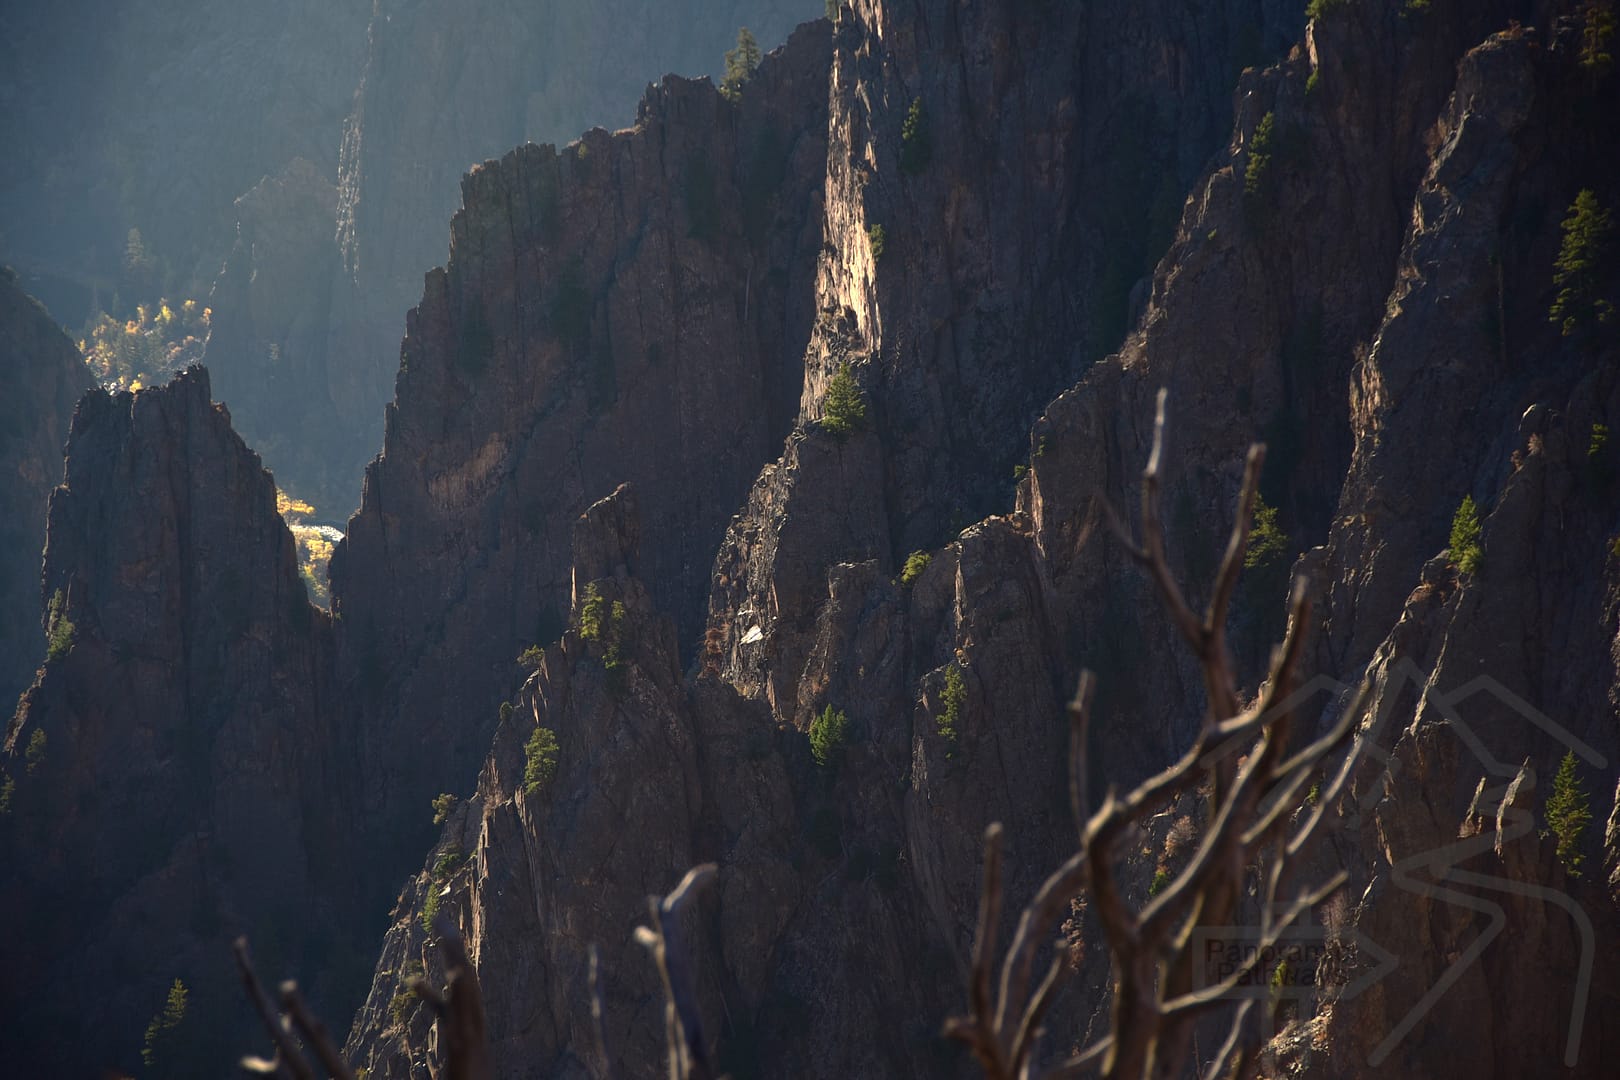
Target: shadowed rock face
45,375
1366,286
447,85
630,308
186,790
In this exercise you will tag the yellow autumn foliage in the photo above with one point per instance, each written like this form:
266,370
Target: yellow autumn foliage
161,339
314,545
286,504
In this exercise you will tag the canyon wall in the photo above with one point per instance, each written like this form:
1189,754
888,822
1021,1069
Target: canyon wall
1010,226
1445,155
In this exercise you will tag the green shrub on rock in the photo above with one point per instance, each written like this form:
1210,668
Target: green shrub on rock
59,629
447,863
160,1032
916,141
442,805
1316,9
1257,173
828,734
34,756
952,697
540,760
741,63
1568,814
878,240
602,623
1267,541
1466,550
430,907
1582,267
844,410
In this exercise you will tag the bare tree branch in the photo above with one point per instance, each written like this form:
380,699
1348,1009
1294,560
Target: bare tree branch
1240,758
604,1067
462,1037
291,1060
314,1032
1079,732
463,1043
688,1054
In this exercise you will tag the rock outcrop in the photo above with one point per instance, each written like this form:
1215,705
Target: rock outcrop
629,308
704,776
171,772
446,85
442,87
45,376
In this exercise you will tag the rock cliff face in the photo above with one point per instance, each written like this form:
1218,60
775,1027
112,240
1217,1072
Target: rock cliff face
46,375
1445,156
1479,162
169,771
629,308
1490,676
447,85
442,87
985,232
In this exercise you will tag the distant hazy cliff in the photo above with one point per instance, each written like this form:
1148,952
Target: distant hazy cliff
307,359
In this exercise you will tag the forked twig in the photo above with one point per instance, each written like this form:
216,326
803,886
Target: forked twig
683,1025
460,1010
463,1042
289,1060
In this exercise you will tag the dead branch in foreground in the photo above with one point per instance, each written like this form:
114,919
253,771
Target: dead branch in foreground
1253,787
459,1009
683,1026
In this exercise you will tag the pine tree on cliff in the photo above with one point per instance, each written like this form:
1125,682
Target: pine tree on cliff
741,63
845,409
1582,266
1596,40
160,1032
1567,814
